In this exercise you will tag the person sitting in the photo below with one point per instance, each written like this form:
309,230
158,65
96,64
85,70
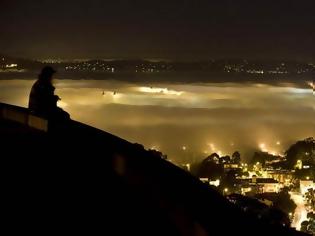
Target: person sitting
42,100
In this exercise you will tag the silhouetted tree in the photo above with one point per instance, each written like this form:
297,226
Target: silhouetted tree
255,208
304,226
311,216
281,200
157,154
308,225
262,157
310,198
225,159
211,167
214,157
236,157
302,150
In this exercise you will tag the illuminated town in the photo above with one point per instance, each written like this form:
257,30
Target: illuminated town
270,182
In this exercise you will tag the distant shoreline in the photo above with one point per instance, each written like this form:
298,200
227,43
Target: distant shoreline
170,77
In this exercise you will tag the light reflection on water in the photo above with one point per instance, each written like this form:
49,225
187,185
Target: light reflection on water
169,116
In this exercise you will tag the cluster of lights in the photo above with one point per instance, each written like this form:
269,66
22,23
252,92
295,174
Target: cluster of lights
89,66
311,84
215,183
155,148
213,149
255,71
277,72
211,145
159,91
151,68
263,148
11,66
234,68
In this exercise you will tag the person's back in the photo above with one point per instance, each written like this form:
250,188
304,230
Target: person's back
43,101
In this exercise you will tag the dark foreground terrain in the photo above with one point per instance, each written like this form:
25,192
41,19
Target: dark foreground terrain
69,178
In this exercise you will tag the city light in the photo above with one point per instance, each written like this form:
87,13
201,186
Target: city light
299,164
62,104
154,147
159,91
262,147
188,167
274,153
300,213
11,65
215,183
312,85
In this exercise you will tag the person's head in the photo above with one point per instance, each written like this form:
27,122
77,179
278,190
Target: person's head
47,74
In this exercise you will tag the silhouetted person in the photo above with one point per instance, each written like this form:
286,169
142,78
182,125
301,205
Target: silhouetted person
43,101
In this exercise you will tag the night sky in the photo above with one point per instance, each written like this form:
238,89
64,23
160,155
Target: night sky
169,29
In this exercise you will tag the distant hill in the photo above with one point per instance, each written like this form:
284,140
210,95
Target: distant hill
226,66
21,63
